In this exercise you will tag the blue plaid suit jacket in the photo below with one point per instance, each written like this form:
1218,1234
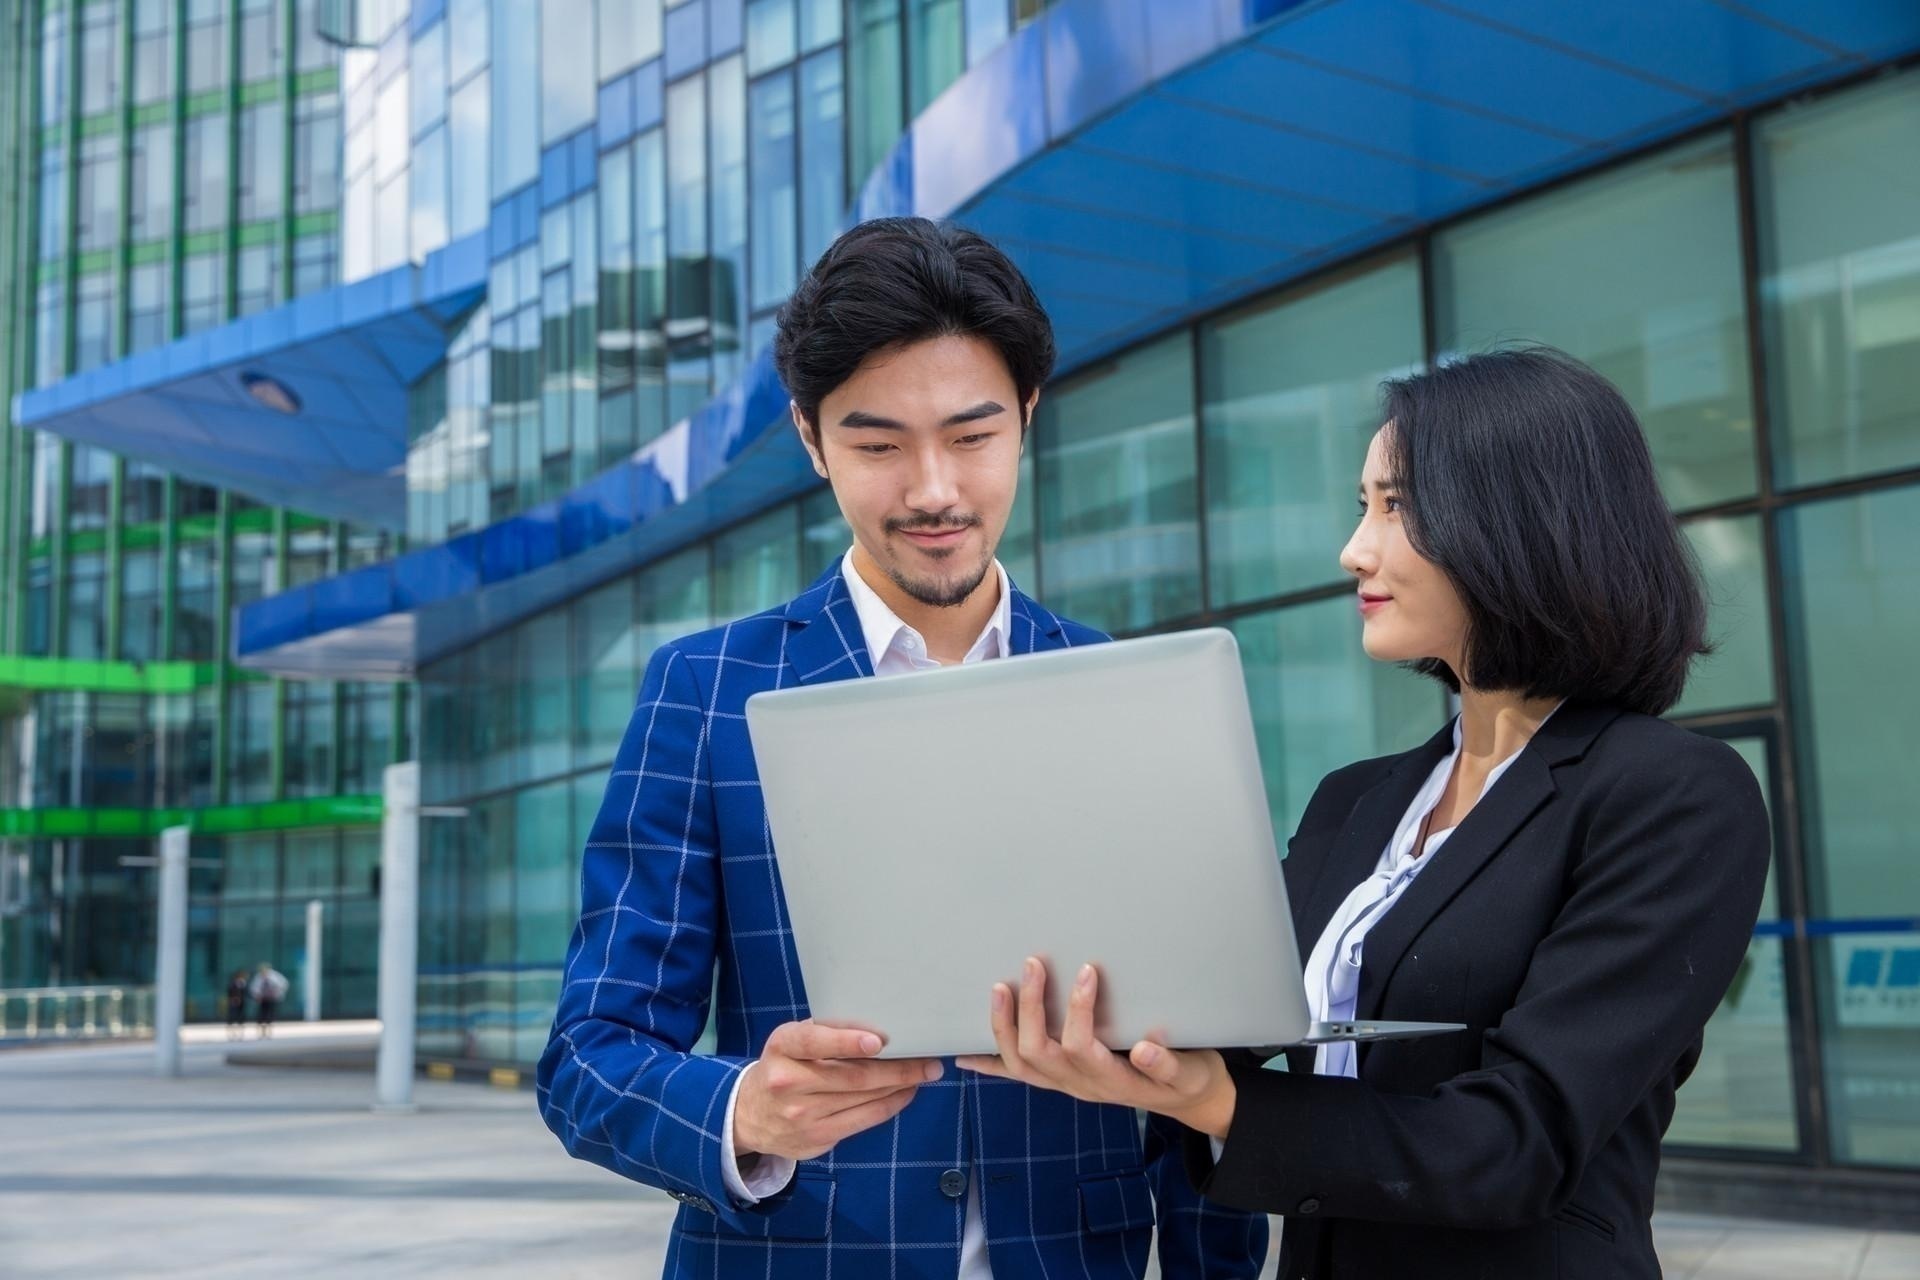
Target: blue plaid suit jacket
679,879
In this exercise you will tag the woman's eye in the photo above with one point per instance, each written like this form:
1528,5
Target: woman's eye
1392,504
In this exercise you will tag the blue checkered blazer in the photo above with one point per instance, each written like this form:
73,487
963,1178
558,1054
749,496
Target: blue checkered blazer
679,878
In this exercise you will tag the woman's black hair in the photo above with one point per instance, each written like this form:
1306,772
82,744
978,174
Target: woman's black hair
1525,477
892,282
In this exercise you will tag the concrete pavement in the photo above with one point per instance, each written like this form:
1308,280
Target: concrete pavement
248,1171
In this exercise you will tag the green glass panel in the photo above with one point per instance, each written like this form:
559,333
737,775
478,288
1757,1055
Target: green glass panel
1741,1093
824,535
1119,537
1290,400
757,565
1739,673
1319,703
1637,272
876,84
1840,287
1851,571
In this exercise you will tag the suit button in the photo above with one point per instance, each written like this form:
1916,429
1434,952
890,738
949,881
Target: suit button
953,1184
1308,1206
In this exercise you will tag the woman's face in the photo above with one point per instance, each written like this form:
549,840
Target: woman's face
1409,609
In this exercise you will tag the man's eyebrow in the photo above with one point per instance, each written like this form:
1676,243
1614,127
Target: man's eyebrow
985,409
861,418
874,422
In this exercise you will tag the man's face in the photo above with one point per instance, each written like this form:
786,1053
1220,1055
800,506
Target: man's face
922,447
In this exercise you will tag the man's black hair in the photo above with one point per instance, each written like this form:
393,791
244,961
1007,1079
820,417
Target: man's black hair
893,282
1525,477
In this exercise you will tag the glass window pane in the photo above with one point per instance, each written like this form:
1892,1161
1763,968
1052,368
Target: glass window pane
936,46
1840,262
471,113
774,239
672,598
1636,272
152,51
877,82
263,146
1741,1092
99,58
316,155
427,72
824,536
1119,541
727,142
150,210
757,565
206,45
86,612
1739,673
261,44
545,891
567,97
819,23
630,33
1851,571
823,150
1016,543
516,83
771,34
1319,703
1290,400
99,203
205,190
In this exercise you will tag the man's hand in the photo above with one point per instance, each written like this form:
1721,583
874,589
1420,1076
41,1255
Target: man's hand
812,1088
1192,1087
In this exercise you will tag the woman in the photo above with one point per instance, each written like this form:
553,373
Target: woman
1571,877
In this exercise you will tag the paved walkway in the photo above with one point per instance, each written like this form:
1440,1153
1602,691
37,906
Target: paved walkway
245,1171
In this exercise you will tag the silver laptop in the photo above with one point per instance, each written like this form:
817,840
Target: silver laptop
1099,804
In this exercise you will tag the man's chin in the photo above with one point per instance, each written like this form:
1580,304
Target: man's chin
943,592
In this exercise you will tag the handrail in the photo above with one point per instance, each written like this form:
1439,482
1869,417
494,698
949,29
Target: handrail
75,1013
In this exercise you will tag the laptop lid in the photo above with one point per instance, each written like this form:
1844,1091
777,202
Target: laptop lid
1099,804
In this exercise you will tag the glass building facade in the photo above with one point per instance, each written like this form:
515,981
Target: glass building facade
170,165
649,179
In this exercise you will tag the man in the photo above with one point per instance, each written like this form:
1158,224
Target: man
914,355
268,988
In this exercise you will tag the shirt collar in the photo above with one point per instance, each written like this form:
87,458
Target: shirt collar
882,628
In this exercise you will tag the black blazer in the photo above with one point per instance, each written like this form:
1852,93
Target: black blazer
1584,921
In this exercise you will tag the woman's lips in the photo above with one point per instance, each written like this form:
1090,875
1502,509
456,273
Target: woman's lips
1371,603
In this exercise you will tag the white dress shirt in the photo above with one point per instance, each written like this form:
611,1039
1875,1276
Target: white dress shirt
895,649
1332,974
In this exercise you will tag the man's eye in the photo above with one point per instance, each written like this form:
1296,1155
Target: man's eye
974,439
874,450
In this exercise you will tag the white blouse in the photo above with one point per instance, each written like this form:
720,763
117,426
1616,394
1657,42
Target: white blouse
1332,973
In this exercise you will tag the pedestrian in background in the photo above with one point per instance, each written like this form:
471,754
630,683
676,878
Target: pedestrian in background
269,988
237,985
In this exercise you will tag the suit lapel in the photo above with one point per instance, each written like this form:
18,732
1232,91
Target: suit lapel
824,639
1519,793
1355,851
1034,628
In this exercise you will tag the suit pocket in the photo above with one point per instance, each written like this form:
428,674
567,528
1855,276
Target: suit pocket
1115,1202
807,1214
1585,1220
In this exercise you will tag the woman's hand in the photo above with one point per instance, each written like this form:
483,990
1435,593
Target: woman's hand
1192,1087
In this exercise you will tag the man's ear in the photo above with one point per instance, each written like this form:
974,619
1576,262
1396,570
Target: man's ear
1026,417
809,438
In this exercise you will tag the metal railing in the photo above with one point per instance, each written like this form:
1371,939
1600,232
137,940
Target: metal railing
75,1013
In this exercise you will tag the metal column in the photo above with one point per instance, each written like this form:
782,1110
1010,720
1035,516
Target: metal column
399,934
170,963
